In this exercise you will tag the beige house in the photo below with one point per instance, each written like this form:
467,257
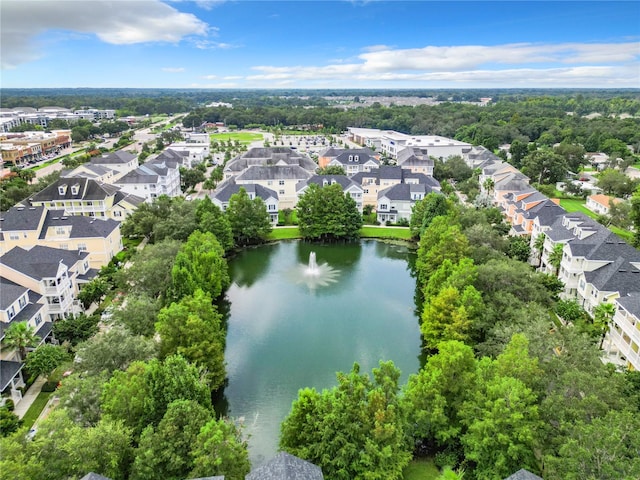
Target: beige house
85,196
27,227
600,203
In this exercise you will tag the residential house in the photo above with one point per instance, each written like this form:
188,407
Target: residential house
268,157
328,154
27,227
349,187
53,273
600,203
416,160
193,152
223,192
121,162
283,179
159,176
623,341
353,161
378,179
84,196
18,304
98,173
395,204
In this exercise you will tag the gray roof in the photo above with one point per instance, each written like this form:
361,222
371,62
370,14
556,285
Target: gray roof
286,467
619,276
224,191
9,292
631,302
274,172
114,158
331,152
270,156
44,331
129,197
344,181
357,156
523,474
94,476
20,218
404,191
86,170
81,227
8,370
40,262
513,181
89,189
546,212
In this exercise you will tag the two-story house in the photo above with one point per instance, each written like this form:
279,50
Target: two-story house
27,227
349,187
268,157
355,160
53,273
378,179
121,162
226,189
416,160
396,203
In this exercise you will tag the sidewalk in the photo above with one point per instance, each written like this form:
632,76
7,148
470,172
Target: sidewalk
29,397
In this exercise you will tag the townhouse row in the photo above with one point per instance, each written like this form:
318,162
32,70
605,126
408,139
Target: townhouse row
597,266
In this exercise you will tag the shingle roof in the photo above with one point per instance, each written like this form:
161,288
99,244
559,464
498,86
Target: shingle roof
114,158
631,302
9,292
619,276
344,181
127,197
8,370
270,156
274,172
286,467
523,475
226,189
546,212
21,218
89,189
81,227
40,262
355,156
404,191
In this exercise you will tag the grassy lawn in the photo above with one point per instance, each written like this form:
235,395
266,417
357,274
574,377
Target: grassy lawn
243,137
421,469
284,233
36,409
401,233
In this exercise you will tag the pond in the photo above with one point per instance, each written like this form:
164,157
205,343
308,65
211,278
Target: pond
289,328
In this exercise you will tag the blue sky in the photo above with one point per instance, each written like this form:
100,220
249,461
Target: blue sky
326,44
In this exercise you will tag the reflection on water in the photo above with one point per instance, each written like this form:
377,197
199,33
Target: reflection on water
282,337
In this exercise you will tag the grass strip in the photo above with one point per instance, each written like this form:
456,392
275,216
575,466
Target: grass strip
35,409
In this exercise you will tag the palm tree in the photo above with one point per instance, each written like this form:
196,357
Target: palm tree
555,257
488,185
538,244
20,336
602,316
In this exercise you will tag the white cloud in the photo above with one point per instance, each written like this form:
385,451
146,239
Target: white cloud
120,23
233,77
211,45
210,77
173,69
527,64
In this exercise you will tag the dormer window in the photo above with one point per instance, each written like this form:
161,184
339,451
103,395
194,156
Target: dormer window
62,189
356,157
351,158
75,189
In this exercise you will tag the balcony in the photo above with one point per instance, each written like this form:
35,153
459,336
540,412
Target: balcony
619,351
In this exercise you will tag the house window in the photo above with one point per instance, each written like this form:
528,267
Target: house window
117,213
75,189
38,319
272,208
89,203
60,230
64,246
280,182
82,247
281,192
383,206
366,190
14,236
22,302
12,312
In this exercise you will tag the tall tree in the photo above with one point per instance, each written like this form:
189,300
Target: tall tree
211,219
249,218
635,216
199,264
192,328
46,358
544,166
326,213
19,335
555,257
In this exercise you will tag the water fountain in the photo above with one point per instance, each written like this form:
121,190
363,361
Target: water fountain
314,274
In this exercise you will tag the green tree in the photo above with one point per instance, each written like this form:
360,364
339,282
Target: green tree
220,450
544,166
164,451
425,210
441,240
9,422
199,264
190,177
45,359
211,219
574,154
435,394
445,318
538,245
192,328
114,349
93,291
76,329
605,449
519,248
331,170
518,150
555,257
614,182
602,317
357,429
326,213
139,314
20,336
79,395
249,218
635,216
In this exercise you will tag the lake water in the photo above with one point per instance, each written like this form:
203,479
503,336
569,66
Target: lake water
288,331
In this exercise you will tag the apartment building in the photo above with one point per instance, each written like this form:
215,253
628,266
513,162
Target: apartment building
349,187
226,189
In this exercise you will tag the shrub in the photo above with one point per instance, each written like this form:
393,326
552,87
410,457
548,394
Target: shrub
49,386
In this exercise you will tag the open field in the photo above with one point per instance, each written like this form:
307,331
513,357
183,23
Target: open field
400,233
244,138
